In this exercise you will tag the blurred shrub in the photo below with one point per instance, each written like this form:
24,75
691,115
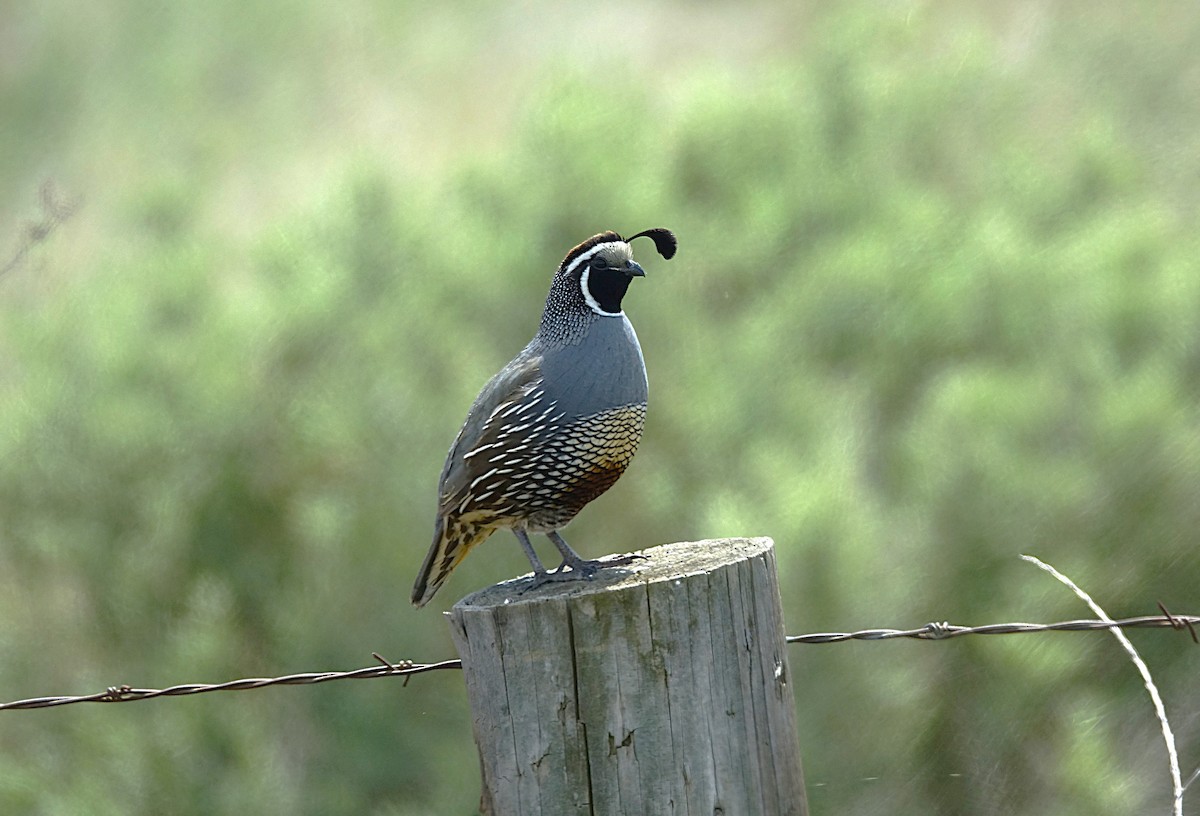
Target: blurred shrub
935,305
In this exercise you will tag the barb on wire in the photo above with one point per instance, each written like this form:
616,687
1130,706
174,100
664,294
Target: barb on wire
407,668
1180,622
943,631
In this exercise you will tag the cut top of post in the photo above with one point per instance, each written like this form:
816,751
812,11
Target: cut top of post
667,562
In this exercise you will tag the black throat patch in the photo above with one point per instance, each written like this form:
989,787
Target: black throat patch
608,286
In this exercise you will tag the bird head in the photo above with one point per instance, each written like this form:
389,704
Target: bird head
597,273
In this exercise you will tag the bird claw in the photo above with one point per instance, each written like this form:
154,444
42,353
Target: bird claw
622,560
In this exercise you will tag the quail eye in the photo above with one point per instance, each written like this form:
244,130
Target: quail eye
598,262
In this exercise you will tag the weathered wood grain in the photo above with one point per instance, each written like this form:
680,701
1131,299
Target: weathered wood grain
660,688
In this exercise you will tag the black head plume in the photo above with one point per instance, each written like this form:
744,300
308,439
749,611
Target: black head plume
664,240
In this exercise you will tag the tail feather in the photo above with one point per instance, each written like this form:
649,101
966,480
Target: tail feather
451,543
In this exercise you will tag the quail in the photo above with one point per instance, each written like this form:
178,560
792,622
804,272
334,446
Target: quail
556,427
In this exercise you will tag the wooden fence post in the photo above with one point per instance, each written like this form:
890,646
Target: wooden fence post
662,689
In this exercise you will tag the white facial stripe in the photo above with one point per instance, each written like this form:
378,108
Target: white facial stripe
583,278
587,256
591,301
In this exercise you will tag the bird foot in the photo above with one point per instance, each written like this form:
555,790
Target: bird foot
581,570
587,569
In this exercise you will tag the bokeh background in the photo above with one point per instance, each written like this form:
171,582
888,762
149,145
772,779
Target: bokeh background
936,304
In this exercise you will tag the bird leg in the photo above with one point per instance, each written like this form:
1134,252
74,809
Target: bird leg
585,568
540,574
527,546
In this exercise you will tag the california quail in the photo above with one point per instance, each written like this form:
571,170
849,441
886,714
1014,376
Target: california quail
555,427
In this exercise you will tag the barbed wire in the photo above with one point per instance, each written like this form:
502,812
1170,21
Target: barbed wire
407,668
127,694
944,631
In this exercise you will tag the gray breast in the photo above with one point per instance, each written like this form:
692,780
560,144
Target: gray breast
604,371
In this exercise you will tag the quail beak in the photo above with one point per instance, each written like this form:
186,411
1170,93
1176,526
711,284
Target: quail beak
634,270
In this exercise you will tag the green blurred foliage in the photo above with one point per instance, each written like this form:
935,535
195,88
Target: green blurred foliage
936,304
